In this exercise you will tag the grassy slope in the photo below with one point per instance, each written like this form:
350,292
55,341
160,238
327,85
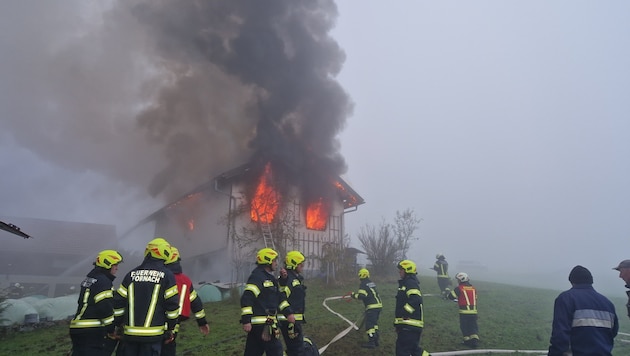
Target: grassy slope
509,318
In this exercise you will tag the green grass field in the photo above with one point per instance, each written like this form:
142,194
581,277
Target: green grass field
510,317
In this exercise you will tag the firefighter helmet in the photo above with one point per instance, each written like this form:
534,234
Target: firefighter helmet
156,241
439,256
293,259
108,258
364,273
266,256
462,277
174,257
408,266
158,248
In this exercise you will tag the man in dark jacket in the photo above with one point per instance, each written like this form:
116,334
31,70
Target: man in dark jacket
147,303
94,319
444,281
408,320
188,301
624,273
292,284
584,321
371,300
465,295
261,301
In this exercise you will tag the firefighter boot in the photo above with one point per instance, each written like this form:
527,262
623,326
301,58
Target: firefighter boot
371,344
376,338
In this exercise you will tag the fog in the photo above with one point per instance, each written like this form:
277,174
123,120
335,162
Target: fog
502,124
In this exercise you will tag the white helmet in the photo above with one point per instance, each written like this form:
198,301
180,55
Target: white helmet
462,277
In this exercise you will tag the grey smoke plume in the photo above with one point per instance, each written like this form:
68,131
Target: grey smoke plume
162,95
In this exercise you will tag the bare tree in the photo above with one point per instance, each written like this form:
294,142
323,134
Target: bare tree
389,243
380,245
405,224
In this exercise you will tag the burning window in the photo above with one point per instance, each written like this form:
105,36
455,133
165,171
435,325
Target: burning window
266,200
317,215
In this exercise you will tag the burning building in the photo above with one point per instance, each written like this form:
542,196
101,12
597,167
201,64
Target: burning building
218,226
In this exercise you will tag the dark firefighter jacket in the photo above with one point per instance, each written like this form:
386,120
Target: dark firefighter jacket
584,322
188,298
295,290
441,267
368,294
466,296
95,310
146,301
262,298
408,314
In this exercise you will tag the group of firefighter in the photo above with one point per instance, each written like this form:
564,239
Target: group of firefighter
273,306
143,315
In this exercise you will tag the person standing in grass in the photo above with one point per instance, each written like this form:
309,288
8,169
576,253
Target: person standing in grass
261,302
441,268
408,319
92,327
466,297
292,284
584,321
624,273
369,295
189,301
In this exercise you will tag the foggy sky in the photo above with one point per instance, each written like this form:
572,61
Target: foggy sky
504,125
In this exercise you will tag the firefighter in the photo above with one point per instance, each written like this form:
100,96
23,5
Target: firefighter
188,301
444,281
94,319
261,301
147,303
466,297
292,284
369,295
409,318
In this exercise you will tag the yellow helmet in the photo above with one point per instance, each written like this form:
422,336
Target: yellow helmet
408,266
266,256
156,241
108,258
293,259
174,257
364,273
158,248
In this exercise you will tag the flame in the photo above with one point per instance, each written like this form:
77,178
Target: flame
191,224
317,215
266,201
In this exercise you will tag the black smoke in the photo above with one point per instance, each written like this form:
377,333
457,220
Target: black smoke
280,57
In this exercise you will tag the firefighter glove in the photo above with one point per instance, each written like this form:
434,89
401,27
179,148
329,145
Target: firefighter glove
291,331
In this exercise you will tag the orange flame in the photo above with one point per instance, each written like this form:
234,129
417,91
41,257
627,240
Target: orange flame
191,224
317,215
266,201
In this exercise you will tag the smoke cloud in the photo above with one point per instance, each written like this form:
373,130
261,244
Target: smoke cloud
159,96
